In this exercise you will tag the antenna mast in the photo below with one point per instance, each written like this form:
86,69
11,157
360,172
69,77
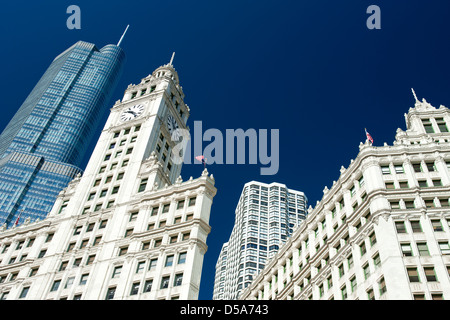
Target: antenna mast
171,59
123,35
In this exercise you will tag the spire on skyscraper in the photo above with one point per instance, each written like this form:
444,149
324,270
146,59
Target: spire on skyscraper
123,35
171,59
414,93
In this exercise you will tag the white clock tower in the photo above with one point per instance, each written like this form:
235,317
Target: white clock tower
129,228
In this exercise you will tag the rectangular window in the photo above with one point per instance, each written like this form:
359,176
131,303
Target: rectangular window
399,168
370,294
145,245
430,166
55,285
389,185
385,170
430,274
423,249
143,185
134,289
366,271
413,275
361,182
180,204
382,286
400,226
395,205
103,193
76,263
123,251
403,184
152,264
128,232
429,203
363,249
133,216
341,270
165,282
157,243
24,292
182,257
409,204
83,279
69,282
437,226
178,280
415,225
417,167
441,124
406,249
110,293
376,261
372,239
148,286
90,227
169,261
423,183
427,125
344,292
445,247
437,182
353,283
103,224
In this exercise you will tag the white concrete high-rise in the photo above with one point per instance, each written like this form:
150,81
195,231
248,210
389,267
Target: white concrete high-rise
129,227
266,216
382,231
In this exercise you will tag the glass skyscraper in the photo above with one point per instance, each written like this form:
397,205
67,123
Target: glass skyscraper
43,145
266,217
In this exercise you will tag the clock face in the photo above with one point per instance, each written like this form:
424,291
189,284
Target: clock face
172,124
132,112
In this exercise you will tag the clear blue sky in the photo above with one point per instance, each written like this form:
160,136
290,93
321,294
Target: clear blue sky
308,68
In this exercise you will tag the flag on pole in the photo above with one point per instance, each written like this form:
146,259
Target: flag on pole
202,159
369,137
18,218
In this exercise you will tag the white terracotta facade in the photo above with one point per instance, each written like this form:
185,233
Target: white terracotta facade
381,231
129,227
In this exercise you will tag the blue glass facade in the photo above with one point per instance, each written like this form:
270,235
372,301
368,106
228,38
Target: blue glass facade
43,145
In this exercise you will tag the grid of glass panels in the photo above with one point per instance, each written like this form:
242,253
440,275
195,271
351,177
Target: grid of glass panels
55,125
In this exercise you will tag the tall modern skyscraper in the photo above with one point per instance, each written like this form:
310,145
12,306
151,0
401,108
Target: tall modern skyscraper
266,216
43,145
